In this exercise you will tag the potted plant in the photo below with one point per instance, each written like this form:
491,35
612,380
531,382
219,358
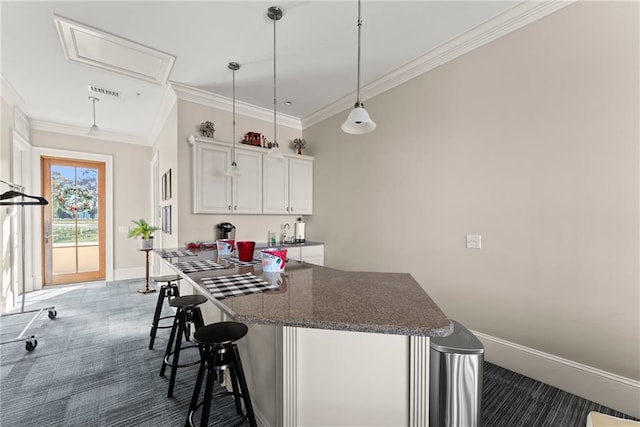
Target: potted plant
144,231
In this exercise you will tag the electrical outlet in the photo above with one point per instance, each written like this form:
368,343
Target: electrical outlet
474,241
123,229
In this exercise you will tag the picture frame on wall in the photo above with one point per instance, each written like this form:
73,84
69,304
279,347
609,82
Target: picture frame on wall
166,219
163,189
169,195
166,185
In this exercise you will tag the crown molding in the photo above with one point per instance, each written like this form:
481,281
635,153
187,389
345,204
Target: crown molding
21,123
9,94
83,132
510,20
169,99
199,96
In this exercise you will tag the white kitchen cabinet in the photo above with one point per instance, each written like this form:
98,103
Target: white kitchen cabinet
288,186
247,188
311,254
213,191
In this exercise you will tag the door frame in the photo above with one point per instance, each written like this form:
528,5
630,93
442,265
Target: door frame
36,179
50,278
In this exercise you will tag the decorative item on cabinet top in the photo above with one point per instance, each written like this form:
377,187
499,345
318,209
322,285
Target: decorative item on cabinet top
207,129
254,138
299,144
257,140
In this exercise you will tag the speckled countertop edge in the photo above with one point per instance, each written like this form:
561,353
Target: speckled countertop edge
435,331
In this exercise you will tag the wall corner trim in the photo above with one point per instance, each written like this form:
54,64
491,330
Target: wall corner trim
9,94
169,99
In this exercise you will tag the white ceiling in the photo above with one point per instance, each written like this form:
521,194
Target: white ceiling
316,52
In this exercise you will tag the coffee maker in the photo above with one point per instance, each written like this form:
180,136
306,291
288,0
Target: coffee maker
225,231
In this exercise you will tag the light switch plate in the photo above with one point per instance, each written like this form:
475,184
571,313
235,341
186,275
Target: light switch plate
474,241
123,229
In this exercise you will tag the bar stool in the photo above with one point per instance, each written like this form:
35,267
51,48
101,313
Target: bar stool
219,353
168,290
186,315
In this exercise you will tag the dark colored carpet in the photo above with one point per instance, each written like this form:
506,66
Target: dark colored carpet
92,367
513,400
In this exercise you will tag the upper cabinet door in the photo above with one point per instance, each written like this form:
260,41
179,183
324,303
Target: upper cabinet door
211,186
275,187
264,186
300,186
247,188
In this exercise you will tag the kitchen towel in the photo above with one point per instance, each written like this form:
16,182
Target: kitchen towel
195,266
237,285
170,253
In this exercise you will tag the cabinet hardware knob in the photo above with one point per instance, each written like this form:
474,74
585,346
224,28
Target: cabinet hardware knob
229,207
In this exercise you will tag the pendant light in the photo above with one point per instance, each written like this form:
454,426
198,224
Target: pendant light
234,170
274,13
94,130
358,121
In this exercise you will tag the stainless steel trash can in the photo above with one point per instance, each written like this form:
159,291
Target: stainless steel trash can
455,390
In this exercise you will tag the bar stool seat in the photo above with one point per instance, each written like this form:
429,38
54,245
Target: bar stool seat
187,313
168,290
219,353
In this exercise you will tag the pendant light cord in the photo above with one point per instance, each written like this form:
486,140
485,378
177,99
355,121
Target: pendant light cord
233,133
94,111
358,102
275,137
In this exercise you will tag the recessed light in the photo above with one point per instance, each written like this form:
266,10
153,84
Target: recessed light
288,102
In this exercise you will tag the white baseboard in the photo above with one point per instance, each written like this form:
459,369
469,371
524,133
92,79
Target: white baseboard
129,273
260,419
611,390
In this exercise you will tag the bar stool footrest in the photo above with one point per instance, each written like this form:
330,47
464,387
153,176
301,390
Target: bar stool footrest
199,405
168,360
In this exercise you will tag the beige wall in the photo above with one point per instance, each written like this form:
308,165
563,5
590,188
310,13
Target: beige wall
167,151
131,181
201,227
531,141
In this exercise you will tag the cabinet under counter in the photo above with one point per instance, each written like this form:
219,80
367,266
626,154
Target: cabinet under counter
330,347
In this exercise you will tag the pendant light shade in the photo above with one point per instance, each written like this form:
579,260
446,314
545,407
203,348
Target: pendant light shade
358,121
275,13
234,170
94,130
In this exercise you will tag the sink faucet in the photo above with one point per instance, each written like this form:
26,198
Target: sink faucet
285,227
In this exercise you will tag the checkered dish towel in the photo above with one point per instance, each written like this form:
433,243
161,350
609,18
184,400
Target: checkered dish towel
237,285
239,263
170,253
195,266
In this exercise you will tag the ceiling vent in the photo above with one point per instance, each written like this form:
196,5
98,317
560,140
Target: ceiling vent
103,91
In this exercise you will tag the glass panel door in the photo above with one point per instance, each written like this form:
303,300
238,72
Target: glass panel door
74,223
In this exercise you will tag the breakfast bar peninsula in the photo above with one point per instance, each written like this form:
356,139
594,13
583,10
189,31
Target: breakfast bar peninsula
325,347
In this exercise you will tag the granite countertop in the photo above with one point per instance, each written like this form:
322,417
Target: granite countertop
312,296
